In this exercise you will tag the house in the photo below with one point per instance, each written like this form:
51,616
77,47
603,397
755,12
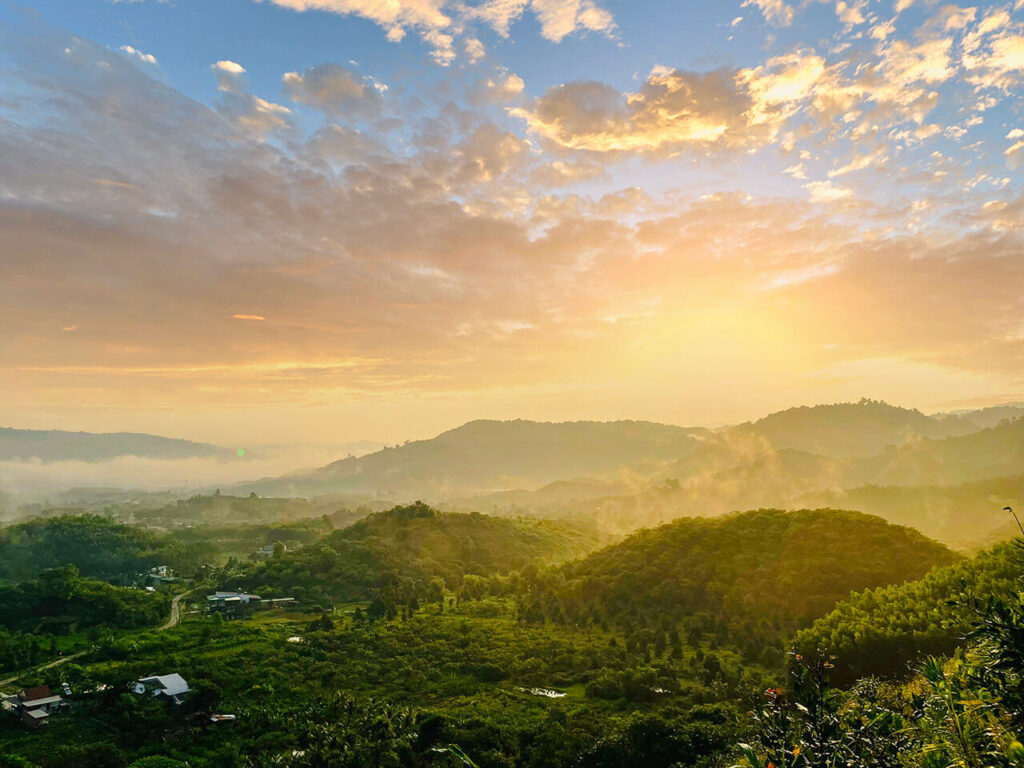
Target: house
267,551
36,704
161,574
172,687
232,604
278,602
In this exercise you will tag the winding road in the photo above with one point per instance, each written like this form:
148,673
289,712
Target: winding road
175,612
173,621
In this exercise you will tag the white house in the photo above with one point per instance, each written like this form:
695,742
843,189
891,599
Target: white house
173,686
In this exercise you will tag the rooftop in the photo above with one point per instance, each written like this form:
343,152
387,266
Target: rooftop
171,685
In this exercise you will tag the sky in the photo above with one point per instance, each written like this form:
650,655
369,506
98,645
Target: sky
317,221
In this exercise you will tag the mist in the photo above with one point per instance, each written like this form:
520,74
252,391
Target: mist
33,479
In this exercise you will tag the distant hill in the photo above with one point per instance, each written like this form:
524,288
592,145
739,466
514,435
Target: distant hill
493,455
558,492
993,452
842,430
395,554
752,576
982,418
966,515
727,473
53,445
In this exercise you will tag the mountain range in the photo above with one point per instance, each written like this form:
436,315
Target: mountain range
949,474
54,445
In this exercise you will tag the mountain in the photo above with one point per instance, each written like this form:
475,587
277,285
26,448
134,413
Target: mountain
993,452
982,418
484,456
556,493
752,576
729,472
396,554
53,445
842,430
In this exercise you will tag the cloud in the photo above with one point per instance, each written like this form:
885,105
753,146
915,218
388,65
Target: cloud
229,76
560,18
561,173
775,12
439,260
230,67
488,153
502,88
673,110
335,90
145,58
254,116
852,13
439,22
860,162
826,192
676,110
248,113
474,49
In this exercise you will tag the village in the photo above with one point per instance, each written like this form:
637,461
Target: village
34,706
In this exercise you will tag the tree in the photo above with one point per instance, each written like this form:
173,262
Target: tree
203,696
376,610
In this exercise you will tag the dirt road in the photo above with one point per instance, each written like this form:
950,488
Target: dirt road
171,622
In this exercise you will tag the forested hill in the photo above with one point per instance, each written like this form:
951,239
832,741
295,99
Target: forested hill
882,631
750,576
96,546
414,551
53,445
493,455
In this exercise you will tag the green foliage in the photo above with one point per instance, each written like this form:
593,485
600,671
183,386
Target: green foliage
157,761
59,601
962,712
409,551
747,579
470,646
884,630
98,547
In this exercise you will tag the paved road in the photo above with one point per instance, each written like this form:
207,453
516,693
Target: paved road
171,622
175,612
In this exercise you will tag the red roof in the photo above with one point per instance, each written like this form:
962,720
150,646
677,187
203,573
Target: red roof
39,692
